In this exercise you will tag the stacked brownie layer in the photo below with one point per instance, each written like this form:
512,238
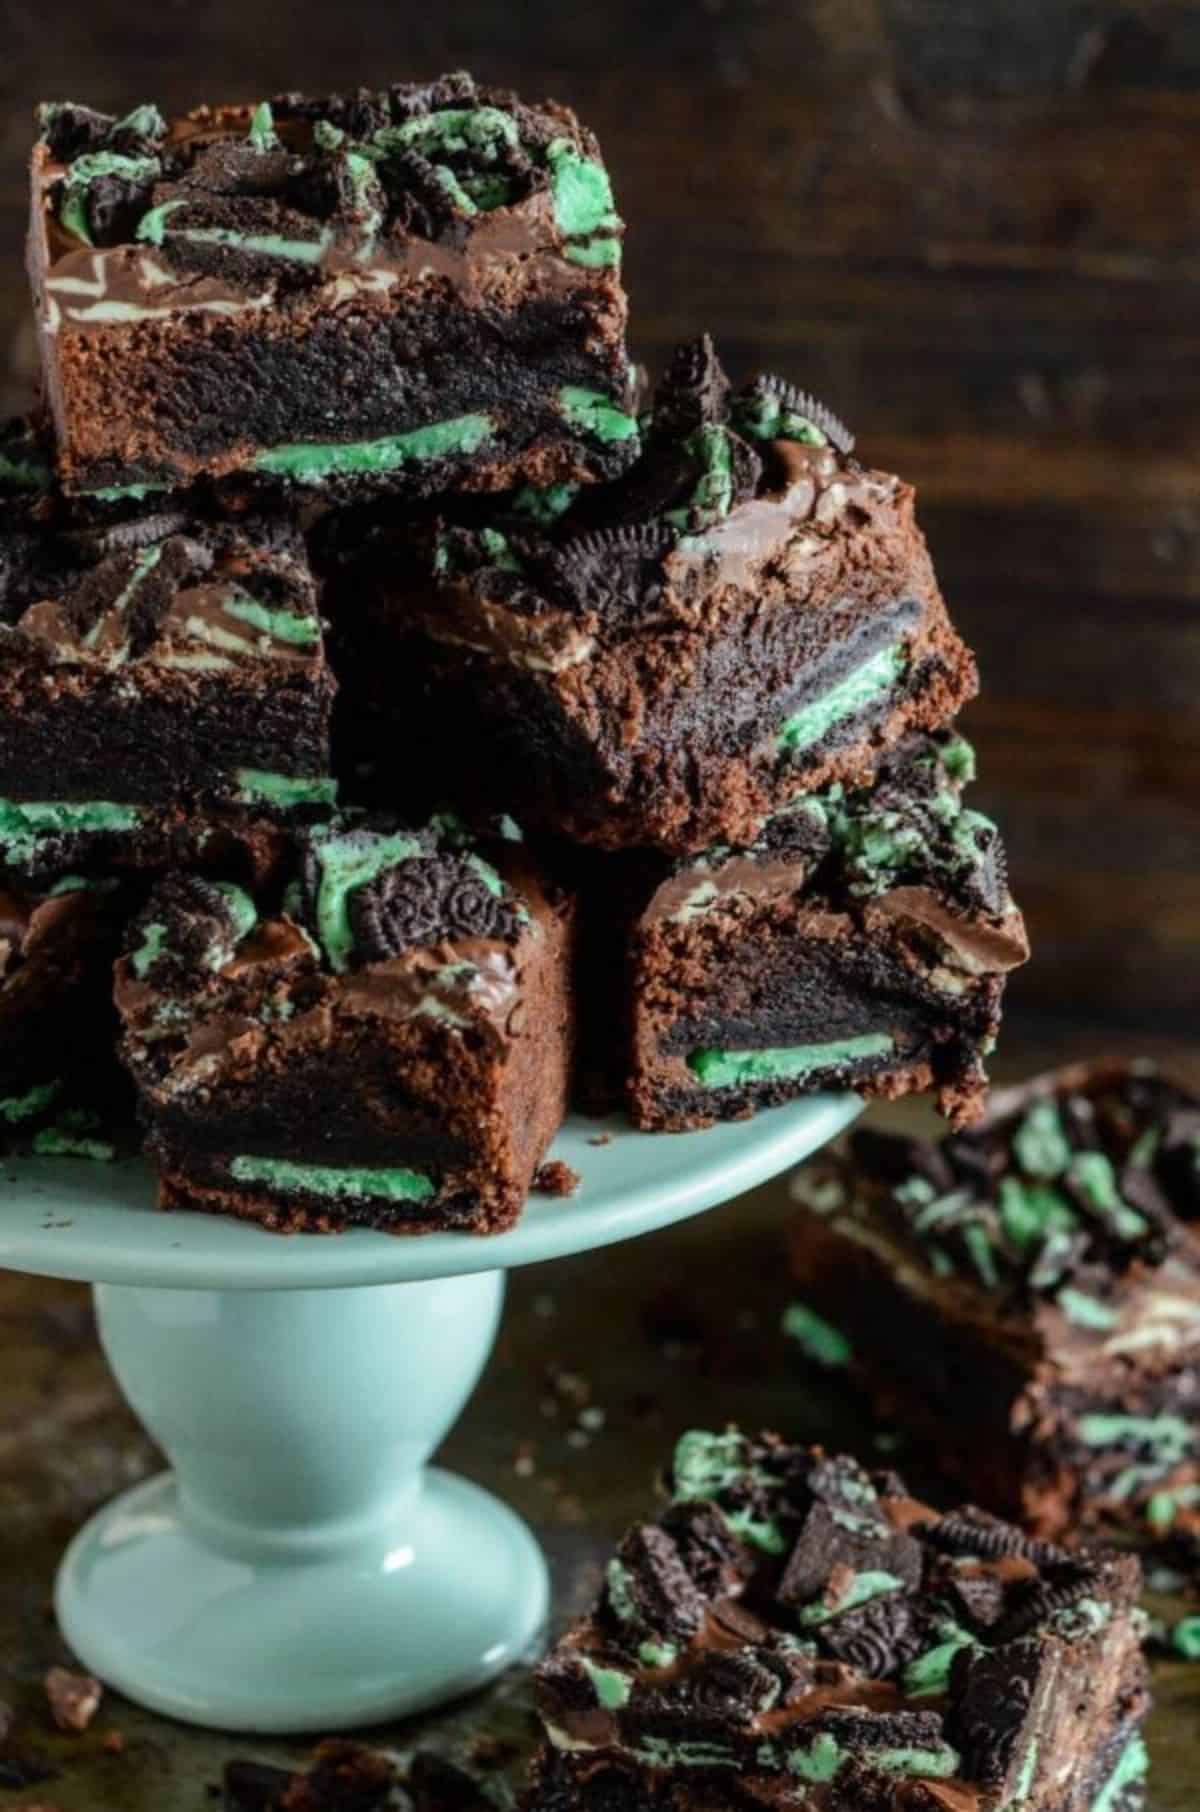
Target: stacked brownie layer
355,623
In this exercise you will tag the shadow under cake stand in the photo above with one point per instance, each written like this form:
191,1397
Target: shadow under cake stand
301,1568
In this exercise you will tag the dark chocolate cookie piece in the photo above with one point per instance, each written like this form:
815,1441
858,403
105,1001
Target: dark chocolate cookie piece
648,1590
427,899
992,1694
189,928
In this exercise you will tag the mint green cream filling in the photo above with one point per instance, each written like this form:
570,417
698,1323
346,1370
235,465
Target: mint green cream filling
938,1762
731,1069
817,1338
84,172
868,682
348,862
258,786
308,462
594,413
339,1183
280,625
818,1761
612,1687
133,493
261,245
583,205
1170,1438
1133,1766
23,823
154,942
15,1108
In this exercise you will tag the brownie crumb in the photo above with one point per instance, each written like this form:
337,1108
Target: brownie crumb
74,1698
556,1178
600,1138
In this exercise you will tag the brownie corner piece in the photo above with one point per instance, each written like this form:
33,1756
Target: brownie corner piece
1024,1297
387,1048
795,1631
747,615
163,690
861,941
412,288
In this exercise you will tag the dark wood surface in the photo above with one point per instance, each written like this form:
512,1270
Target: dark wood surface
974,227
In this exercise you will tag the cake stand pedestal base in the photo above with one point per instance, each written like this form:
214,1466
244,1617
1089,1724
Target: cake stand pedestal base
301,1568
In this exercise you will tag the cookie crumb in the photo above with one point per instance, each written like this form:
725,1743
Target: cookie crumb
74,1698
556,1178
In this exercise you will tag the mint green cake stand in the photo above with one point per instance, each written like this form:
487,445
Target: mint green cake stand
301,1568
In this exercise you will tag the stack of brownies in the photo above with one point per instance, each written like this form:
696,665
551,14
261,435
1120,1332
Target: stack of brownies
437,721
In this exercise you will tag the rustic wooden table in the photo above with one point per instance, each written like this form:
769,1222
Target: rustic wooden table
975,228
603,1361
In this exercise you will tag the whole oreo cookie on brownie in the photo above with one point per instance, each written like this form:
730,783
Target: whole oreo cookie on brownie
163,691
1025,1297
389,1048
861,941
415,288
747,615
794,1632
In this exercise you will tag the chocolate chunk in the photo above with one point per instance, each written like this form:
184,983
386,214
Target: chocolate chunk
707,1546
74,1698
650,1590
845,1527
992,1693
866,1730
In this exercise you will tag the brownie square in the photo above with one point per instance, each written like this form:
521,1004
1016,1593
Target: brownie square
748,615
163,691
861,941
1025,1297
416,287
388,1048
792,1631
57,1027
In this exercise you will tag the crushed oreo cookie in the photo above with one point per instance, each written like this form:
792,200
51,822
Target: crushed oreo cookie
427,899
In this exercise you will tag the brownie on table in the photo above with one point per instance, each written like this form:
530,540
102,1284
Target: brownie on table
57,1027
861,941
749,614
792,1631
163,689
417,286
1025,1297
389,1048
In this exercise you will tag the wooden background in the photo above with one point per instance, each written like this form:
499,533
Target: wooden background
975,229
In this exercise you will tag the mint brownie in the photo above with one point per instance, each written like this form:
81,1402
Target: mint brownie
794,1632
163,691
387,1048
1025,1297
747,615
862,940
415,287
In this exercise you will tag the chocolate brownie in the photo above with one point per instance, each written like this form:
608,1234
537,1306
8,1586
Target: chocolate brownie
1025,1297
57,1028
388,1049
861,941
749,614
416,287
163,690
792,1631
